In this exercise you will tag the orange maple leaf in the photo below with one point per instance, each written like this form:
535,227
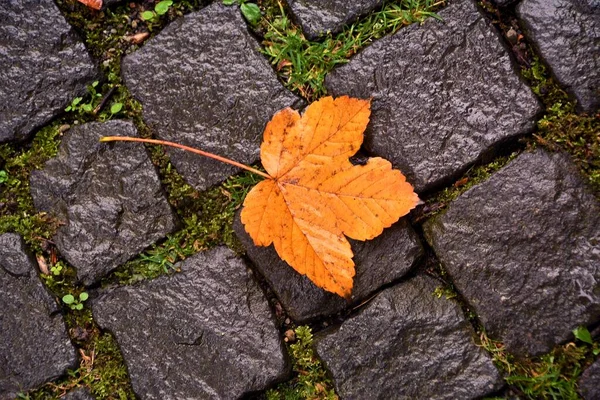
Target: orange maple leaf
315,195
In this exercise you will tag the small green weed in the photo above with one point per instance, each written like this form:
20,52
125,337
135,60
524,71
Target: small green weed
94,99
551,376
311,381
161,8
250,11
303,64
76,303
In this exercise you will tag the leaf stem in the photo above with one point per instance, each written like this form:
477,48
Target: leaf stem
180,146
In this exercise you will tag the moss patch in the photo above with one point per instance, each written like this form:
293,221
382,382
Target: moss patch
310,377
551,376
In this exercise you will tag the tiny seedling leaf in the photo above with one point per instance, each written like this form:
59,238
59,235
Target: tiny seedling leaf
251,12
76,101
79,306
115,108
148,15
581,333
83,296
163,7
68,299
3,176
229,2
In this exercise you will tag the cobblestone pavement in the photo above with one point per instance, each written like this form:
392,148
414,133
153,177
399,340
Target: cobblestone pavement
521,248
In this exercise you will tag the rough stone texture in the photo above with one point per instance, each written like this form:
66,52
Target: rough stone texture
34,346
79,394
524,250
567,35
44,66
204,333
409,343
378,262
108,195
203,83
589,383
317,17
443,94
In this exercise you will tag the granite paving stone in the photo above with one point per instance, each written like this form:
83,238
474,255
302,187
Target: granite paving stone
378,262
79,394
44,66
108,196
408,344
523,248
444,94
567,35
204,333
203,83
589,382
317,17
34,346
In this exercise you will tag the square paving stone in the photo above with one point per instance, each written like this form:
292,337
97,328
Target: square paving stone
317,17
203,83
108,196
378,262
34,346
408,344
524,250
204,333
44,66
567,35
444,94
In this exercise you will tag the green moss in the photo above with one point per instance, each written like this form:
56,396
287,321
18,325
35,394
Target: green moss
474,176
310,380
562,128
551,376
302,64
17,213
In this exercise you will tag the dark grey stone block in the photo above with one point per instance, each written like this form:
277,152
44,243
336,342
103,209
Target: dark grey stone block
203,83
379,261
79,394
444,94
317,17
567,35
44,66
589,383
204,333
408,344
34,346
523,248
108,195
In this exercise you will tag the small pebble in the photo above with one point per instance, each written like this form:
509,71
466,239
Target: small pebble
512,36
290,335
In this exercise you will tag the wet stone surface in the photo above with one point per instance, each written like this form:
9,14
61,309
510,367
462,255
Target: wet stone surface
589,383
79,394
206,332
411,343
379,261
443,94
34,346
317,17
523,248
107,194
44,66
567,34
203,83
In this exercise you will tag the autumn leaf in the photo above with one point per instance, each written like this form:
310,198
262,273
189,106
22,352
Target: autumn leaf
95,4
315,196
